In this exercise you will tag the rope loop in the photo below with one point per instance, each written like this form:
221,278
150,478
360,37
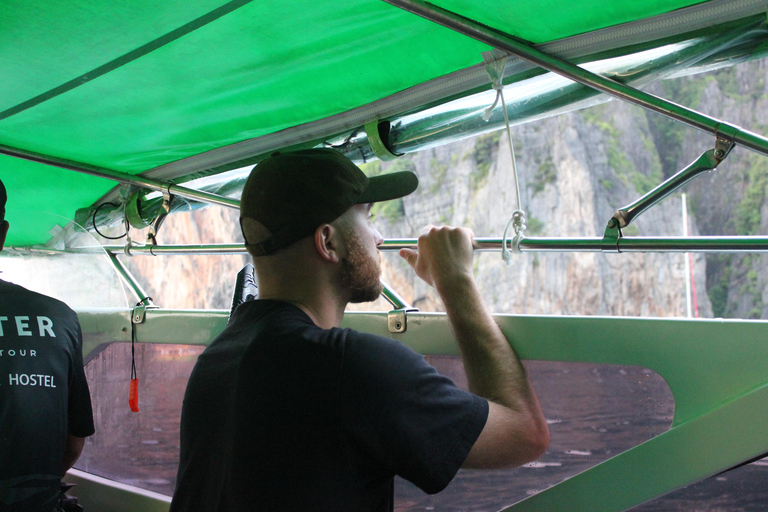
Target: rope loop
128,244
494,66
518,223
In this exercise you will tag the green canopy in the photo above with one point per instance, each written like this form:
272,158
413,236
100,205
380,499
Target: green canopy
132,85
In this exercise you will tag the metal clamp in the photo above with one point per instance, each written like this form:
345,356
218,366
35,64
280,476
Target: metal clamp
139,313
397,320
374,130
155,226
724,140
610,241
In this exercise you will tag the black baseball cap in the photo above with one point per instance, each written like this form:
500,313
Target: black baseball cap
291,194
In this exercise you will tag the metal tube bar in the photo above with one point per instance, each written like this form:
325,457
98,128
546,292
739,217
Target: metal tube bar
394,299
176,250
534,244
723,244
505,42
129,279
122,177
726,244
706,162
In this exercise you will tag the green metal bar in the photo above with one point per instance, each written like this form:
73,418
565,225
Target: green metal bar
122,177
511,45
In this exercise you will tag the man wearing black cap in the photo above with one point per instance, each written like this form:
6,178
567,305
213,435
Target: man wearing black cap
45,407
285,411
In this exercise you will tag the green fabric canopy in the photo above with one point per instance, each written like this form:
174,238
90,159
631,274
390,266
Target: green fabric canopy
130,85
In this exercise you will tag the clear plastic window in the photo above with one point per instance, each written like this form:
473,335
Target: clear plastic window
83,278
140,449
594,412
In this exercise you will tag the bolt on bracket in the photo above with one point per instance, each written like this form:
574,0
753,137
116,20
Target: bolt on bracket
139,313
397,320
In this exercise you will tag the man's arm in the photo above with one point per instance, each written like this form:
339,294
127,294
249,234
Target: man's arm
516,431
72,451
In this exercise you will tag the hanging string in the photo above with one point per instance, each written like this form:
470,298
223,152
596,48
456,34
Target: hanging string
133,390
495,68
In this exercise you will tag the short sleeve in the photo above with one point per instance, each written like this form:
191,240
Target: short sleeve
80,413
398,411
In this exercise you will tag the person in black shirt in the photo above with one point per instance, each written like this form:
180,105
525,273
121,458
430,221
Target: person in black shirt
45,406
287,411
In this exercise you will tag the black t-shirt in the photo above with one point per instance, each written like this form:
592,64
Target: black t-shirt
43,395
281,415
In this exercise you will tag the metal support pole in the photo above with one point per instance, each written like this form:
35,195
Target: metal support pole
724,244
395,300
121,177
513,46
687,260
130,280
176,250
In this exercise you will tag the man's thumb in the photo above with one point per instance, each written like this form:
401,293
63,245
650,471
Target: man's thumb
409,255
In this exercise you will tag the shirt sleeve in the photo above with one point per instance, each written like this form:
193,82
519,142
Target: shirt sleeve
399,411
80,413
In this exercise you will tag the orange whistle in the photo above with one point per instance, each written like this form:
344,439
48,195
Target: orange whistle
133,395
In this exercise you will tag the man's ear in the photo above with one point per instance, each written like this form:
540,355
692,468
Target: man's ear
3,231
328,242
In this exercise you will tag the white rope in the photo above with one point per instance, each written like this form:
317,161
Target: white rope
495,68
128,244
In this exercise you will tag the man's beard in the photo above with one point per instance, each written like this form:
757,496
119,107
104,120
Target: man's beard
359,271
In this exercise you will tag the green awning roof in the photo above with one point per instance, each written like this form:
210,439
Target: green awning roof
134,84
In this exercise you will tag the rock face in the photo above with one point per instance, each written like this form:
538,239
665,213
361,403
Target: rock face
731,201
192,282
575,171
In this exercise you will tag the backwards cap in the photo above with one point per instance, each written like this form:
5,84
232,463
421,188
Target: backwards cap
291,194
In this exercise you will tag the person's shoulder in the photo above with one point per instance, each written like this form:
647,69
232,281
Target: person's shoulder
372,348
24,296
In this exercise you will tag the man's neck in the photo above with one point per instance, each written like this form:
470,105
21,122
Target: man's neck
325,318
323,308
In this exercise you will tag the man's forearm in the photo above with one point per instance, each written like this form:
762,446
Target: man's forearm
515,431
492,367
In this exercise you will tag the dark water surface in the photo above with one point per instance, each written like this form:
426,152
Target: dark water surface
594,411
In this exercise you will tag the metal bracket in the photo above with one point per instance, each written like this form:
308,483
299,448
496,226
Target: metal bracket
706,162
397,320
724,140
610,241
139,313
